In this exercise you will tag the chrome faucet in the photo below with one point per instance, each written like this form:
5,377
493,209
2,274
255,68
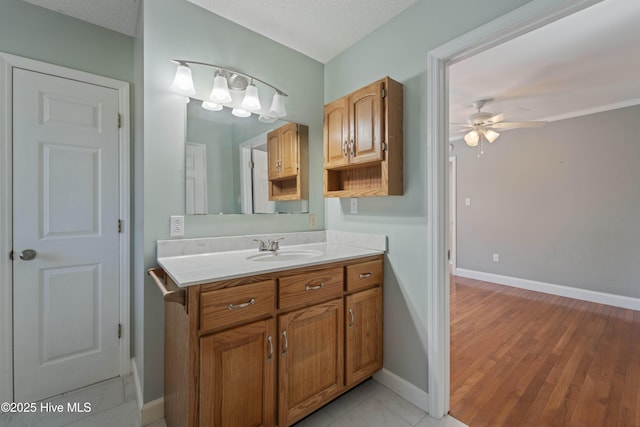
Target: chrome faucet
269,246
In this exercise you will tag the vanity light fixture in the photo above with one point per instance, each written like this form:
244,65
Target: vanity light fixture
183,82
225,81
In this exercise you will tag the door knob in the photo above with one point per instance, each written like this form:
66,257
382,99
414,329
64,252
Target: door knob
27,255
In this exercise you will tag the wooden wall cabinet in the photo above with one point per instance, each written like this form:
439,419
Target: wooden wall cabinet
363,142
287,158
291,342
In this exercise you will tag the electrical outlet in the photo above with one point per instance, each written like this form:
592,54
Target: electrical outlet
354,205
467,201
177,226
496,257
312,221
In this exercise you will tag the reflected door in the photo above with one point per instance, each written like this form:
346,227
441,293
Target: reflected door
66,239
196,179
261,203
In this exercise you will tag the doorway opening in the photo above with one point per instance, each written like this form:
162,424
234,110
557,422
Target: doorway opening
532,15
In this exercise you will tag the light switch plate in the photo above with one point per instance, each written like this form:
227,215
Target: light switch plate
354,205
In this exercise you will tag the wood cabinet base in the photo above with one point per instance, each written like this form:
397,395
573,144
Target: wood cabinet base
271,349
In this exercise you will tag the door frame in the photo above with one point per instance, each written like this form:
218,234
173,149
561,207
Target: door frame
528,17
7,63
453,212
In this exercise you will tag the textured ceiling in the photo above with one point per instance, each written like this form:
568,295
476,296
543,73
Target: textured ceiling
320,29
117,15
585,63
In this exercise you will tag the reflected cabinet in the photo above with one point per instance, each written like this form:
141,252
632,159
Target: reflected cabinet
287,158
363,142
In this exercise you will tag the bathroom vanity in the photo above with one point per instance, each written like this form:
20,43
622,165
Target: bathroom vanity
266,338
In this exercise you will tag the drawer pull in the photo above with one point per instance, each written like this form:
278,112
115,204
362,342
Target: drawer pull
366,275
270,342
286,343
353,320
314,288
243,305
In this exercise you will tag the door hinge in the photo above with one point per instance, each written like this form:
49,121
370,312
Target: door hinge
120,226
449,255
119,120
119,330
384,146
384,93
11,255
251,164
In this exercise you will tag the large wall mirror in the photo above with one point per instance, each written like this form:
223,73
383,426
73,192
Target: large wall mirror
226,169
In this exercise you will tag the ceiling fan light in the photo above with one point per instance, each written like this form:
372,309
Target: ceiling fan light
251,101
472,138
183,81
220,92
491,135
277,106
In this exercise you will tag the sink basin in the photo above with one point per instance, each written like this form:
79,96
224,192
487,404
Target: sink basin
285,255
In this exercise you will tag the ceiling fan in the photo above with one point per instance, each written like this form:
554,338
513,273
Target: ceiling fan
482,125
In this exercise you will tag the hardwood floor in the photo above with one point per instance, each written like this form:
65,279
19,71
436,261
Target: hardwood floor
522,358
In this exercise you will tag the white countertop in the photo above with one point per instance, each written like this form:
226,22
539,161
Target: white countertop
186,270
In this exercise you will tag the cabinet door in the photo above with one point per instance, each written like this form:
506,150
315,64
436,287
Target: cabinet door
237,377
363,313
366,117
336,133
311,369
289,150
274,156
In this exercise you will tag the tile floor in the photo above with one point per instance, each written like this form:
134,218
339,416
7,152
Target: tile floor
113,403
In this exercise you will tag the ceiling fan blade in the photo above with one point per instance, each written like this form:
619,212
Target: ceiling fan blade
497,118
516,125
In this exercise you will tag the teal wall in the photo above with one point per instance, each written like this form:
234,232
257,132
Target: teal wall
38,33
178,29
398,49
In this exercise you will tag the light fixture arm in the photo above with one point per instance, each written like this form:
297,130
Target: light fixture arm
230,70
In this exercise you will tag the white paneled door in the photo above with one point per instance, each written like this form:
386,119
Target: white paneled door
66,243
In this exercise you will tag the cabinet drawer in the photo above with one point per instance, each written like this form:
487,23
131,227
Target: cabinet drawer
360,276
235,305
310,288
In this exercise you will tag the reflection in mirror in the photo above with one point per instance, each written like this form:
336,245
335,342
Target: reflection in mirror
226,164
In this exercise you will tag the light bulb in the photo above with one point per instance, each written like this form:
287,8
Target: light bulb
183,82
277,106
266,119
220,92
491,135
239,112
472,138
211,106
251,101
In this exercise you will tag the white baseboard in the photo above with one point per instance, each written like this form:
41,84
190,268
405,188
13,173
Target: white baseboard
150,412
136,382
404,388
550,288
